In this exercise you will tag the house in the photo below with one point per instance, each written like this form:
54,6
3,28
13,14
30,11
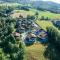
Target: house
43,34
37,32
30,38
20,30
43,37
16,34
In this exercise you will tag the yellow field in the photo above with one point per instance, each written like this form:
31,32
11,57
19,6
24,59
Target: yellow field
35,52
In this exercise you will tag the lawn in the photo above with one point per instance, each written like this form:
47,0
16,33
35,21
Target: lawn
44,24
35,52
49,15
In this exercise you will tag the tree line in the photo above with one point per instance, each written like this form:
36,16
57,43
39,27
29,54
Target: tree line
11,47
53,50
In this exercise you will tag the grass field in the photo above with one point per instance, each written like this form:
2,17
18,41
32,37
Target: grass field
49,15
23,13
41,13
44,24
35,52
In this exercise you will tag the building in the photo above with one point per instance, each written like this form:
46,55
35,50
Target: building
30,38
43,37
16,34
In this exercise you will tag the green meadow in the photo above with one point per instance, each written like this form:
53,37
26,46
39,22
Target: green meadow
48,14
44,24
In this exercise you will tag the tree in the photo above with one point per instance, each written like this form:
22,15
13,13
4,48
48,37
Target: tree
3,56
36,14
42,18
53,50
9,42
30,17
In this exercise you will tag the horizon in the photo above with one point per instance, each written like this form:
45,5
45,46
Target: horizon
56,1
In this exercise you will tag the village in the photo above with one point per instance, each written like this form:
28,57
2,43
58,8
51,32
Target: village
29,31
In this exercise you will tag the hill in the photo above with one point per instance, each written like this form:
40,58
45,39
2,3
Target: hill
40,5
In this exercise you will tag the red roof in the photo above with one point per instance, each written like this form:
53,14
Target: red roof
17,34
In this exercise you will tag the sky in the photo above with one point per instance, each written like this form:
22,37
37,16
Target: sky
57,1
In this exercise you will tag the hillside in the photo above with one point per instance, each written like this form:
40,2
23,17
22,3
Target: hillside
40,5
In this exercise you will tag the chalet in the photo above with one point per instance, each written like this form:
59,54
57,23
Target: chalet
30,38
43,37
43,34
31,35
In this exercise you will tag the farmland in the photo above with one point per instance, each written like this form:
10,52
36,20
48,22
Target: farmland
48,14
